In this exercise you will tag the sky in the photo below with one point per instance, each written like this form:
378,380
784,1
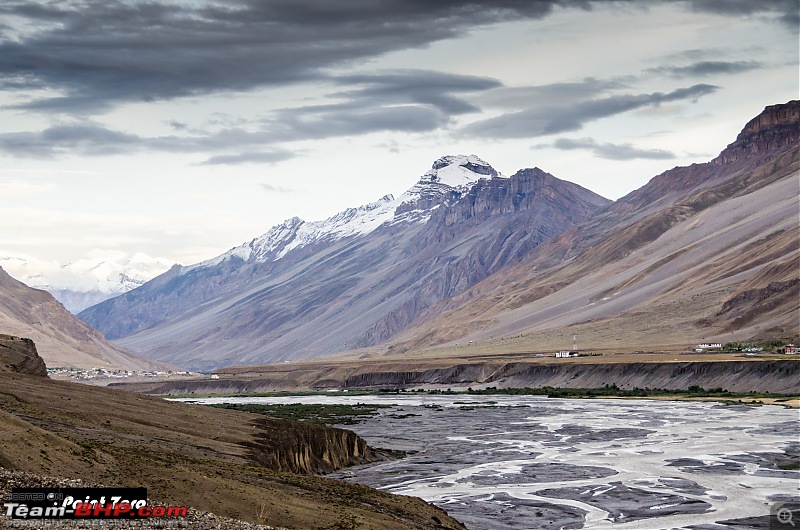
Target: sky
179,129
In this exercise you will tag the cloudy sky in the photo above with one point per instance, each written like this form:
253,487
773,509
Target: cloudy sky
181,128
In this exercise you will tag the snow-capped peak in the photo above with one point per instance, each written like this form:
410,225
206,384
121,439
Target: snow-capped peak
458,170
448,173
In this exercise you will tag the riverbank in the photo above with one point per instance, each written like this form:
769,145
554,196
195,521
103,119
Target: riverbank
769,374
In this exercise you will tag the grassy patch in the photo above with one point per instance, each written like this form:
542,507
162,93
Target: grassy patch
324,414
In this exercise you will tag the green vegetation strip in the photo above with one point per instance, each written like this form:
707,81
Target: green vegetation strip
693,391
324,414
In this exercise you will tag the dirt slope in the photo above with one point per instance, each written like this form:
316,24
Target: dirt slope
227,462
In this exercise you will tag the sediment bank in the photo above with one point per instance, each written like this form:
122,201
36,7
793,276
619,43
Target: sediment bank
776,376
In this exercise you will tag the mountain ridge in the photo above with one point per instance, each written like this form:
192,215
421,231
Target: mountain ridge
381,278
448,173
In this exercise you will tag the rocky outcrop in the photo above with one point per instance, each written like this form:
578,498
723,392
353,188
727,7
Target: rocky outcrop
531,191
777,127
305,448
19,355
775,130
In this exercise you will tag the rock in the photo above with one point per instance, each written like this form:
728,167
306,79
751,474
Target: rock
19,355
778,126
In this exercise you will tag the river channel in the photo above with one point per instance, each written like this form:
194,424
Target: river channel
529,462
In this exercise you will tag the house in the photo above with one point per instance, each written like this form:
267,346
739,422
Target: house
709,346
790,349
563,354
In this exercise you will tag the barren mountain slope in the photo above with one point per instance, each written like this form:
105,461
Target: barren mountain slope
61,338
704,252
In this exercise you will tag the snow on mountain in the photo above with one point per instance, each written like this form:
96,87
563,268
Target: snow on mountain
449,173
458,171
86,281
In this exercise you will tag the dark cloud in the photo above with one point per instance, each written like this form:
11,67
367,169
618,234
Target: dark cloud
610,151
423,87
95,54
706,68
98,53
177,125
572,115
318,122
407,101
91,139
62,139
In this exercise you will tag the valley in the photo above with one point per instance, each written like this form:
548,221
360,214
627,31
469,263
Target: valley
392,265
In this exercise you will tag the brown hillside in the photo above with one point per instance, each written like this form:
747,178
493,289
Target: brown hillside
61,338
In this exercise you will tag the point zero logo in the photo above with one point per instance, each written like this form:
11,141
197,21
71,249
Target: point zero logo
84,503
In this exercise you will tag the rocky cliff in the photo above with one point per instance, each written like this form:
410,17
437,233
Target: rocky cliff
764,376
775,128
19,355
306,448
